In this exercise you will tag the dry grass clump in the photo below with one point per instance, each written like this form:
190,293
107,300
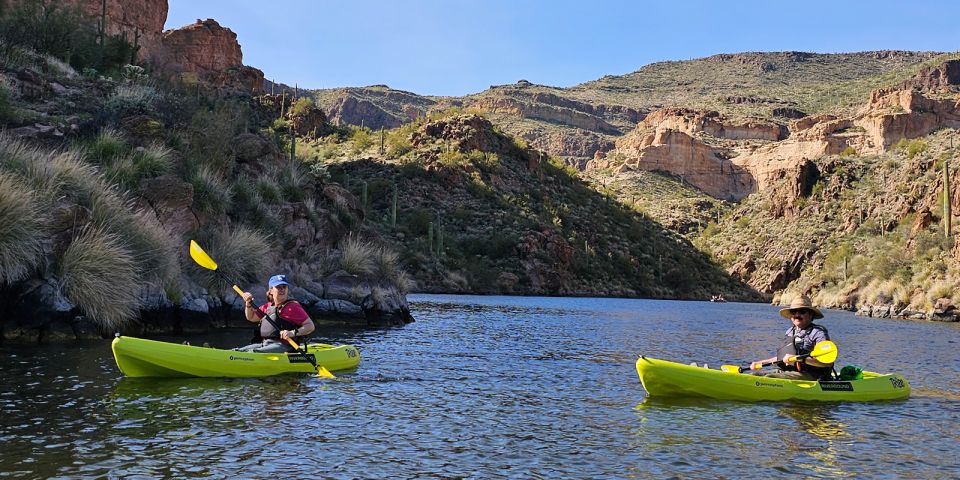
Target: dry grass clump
22,230
101,277
211,193
357,256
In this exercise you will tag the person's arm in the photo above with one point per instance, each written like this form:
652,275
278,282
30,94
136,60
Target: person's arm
250,310
296,314
759,363
303,330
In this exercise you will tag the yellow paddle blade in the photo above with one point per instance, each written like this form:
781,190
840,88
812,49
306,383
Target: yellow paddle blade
825,351
201,257
324,373
730,368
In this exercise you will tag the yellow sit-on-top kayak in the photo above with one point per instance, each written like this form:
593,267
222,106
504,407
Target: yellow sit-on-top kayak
137,357
669,379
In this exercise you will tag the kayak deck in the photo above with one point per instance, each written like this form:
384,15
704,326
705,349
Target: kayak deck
662,378
138,357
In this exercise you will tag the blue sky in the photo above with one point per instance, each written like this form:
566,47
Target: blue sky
458,47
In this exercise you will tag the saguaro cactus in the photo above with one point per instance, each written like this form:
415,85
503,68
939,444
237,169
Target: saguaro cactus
363,194
430,238
393,209
946,200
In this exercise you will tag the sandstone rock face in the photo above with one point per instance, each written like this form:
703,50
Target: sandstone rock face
894,114
140,21
211,53
712,123
945,75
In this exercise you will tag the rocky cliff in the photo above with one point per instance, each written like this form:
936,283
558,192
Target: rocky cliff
210,53
203,51
695,144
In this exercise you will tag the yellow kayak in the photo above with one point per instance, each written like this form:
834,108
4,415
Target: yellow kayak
661,378
138,357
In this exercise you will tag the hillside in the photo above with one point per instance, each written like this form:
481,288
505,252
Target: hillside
577,122
473,210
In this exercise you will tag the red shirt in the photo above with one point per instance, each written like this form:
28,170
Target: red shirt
291,312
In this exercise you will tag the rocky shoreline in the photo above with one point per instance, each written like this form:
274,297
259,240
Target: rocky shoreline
941,313
340,299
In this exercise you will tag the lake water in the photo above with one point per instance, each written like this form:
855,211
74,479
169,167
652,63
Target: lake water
491,387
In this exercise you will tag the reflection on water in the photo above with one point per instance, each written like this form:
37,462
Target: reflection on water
488,387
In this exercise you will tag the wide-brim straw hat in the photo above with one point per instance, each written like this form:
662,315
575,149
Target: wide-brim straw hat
800,302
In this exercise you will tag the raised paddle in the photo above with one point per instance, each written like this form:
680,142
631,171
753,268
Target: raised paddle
825,352
204,260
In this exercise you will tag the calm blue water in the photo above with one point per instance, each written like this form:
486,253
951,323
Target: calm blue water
491,387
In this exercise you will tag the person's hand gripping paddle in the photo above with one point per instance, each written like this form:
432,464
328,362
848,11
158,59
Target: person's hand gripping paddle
824,352
204,260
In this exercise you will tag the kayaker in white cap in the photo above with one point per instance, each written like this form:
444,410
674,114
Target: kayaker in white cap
799,340
289,319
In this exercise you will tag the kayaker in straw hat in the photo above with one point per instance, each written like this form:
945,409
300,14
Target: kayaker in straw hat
286,313
799,340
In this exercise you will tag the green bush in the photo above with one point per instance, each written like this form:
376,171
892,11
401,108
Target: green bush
361,139
106,146
301,107
132,99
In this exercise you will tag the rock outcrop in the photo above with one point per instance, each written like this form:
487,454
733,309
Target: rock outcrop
205,51
694,144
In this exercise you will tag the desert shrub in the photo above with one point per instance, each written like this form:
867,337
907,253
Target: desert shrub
212,132
22,230
139,233
7,112
141,164
916,147
848,152
386,264
361,139
357,256
210,192
107,145
398,143
132,99
292,181
94,264
454,158
269,190
301,107
418,221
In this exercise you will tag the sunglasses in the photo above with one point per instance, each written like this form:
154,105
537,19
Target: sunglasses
798,313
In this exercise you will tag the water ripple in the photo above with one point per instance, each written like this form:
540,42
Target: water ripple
489,387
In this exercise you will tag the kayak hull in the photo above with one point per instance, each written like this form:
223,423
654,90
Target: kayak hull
138,357
661,378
